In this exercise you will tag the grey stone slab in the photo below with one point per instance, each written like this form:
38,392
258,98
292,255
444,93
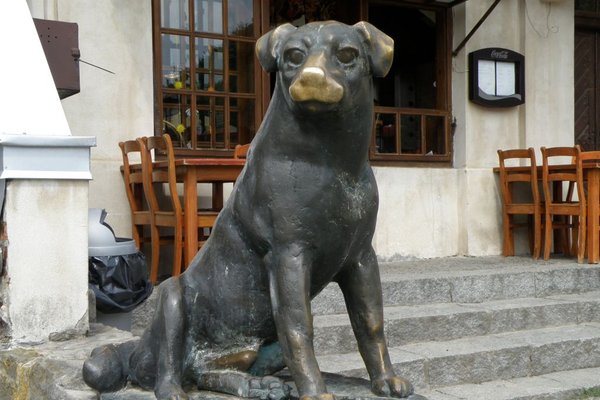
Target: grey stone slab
556,386
446,321
567,280
485,287
489,357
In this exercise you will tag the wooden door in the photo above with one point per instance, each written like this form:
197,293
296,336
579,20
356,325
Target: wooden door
587,89
587,74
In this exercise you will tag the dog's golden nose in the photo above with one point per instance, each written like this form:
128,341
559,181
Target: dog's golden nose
312,84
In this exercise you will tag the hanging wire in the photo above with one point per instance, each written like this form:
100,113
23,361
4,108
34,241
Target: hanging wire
549,28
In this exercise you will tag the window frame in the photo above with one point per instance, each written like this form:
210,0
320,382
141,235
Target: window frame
195,94
443,99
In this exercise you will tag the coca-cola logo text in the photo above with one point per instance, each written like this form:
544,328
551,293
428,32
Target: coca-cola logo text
501,54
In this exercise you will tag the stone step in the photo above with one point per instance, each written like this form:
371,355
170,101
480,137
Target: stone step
471,280
478,359
563,385
447,321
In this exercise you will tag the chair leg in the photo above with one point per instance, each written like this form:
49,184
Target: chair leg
177,250
581,248
155,237
508,241
537,236
547,236
136,232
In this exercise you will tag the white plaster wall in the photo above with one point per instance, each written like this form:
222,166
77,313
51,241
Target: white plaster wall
549,39
418,213
47,257
115,35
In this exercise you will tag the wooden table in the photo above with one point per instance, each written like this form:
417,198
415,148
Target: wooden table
202,170
591,171
192,171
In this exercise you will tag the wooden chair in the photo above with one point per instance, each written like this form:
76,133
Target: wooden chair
133,180
241,150
574,210
511,207
170,216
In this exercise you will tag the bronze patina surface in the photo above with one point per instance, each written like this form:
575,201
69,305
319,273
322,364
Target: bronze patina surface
302,214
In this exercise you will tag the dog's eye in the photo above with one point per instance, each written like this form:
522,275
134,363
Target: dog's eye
346,55
294,56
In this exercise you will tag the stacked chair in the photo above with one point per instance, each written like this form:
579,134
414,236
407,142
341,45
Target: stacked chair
133,178
564,206
164,213
571,212
511,206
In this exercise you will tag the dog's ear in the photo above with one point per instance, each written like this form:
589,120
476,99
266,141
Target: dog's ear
379,46
267,46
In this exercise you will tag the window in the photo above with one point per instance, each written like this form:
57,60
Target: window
206,79
412,103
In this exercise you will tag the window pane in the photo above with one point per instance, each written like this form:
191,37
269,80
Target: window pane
174,14
209,16
241,121
176,118
240,18
211,121
385,133
410,133
435,132
209,54
219,121
175,61
241,67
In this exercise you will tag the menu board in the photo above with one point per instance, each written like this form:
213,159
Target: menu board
496,77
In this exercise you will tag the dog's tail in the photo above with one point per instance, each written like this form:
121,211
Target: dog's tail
107,368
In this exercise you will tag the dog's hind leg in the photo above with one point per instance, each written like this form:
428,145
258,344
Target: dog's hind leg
268,361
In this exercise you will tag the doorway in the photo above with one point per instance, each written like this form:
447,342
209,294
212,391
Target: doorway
587,74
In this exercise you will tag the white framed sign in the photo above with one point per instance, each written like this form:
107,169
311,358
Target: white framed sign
496,77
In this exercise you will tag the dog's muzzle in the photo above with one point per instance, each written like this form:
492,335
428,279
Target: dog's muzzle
312,84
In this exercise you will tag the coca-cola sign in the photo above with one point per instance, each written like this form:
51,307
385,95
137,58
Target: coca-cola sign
496,77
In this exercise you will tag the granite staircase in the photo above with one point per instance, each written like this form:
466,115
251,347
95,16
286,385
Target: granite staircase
490,328
475,328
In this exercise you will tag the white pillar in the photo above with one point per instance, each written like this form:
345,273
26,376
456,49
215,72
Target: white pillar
43,288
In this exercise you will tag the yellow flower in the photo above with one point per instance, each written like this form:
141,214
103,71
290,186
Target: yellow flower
180,128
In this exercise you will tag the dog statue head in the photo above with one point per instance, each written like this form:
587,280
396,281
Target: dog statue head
323,65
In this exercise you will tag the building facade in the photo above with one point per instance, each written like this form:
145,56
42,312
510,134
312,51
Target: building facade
187,68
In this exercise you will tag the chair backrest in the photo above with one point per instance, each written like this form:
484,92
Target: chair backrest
153,175
527,174
241,150
554,175
132,177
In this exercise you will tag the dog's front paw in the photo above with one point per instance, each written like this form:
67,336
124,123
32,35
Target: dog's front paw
269,388
170,391
396,386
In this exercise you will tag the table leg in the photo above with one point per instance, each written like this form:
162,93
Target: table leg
190,210
593,215
217,196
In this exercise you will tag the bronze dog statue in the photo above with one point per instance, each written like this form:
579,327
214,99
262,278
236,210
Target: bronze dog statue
301,215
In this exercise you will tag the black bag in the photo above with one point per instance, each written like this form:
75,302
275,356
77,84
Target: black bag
120,283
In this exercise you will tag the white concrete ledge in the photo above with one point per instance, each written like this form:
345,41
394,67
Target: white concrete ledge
45,157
